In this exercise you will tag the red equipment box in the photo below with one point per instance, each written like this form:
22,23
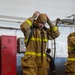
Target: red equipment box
8,50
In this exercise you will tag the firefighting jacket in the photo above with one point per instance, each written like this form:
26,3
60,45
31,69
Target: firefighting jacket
71,46
39,38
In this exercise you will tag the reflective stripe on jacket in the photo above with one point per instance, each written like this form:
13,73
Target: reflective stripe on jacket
34,53
71,59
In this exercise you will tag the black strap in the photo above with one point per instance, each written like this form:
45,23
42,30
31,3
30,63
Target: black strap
41,46
32,29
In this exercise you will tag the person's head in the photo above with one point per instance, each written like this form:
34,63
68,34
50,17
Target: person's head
41,20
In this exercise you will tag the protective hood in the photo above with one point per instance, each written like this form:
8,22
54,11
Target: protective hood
42,18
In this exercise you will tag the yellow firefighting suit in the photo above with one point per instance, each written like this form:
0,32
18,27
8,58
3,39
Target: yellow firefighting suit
32,62
70,64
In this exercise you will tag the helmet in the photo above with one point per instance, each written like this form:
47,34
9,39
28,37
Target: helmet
42,18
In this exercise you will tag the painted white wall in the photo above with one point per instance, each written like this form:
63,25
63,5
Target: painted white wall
13,32
25,8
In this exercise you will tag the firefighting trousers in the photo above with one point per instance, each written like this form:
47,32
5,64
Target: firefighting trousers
70,68
32,65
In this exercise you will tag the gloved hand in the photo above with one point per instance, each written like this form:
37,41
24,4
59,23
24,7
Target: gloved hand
48,50
48,20
58,19
37,13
